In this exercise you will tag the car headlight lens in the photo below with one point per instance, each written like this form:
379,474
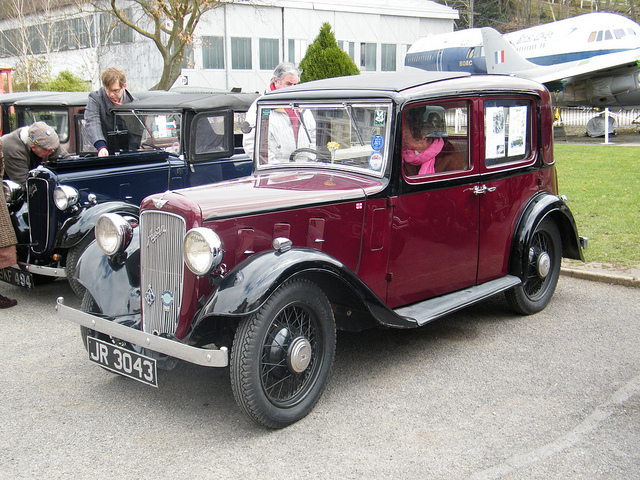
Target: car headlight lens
65,197
13,191
202,250
113,233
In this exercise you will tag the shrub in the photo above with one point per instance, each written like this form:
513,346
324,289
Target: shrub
325,59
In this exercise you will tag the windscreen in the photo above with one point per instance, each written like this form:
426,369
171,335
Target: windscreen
152,130
352,136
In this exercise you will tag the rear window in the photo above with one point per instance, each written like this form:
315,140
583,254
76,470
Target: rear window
507,131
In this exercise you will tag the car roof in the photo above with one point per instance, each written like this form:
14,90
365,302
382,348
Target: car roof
13,97
192,101
54,99
403,86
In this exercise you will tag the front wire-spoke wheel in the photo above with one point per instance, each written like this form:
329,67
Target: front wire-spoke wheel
282,355
542,269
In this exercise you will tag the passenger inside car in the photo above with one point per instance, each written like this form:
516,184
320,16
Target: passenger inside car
425,143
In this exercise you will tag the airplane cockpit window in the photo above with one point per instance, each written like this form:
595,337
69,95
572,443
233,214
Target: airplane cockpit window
592,37
619,33
470,52
607,35
631,31
599,38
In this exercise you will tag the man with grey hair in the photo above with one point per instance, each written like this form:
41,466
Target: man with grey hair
285,132
27,147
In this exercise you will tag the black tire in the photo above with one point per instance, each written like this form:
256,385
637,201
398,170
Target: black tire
282,355
542,269
88,305
72,264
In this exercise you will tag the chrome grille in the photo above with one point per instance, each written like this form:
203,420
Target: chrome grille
162,270
39,204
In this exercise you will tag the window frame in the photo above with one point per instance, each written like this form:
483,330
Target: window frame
531,132
470,156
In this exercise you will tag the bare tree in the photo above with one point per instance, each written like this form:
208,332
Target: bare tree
171,26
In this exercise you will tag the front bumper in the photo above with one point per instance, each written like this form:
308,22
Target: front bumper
58,272
173,348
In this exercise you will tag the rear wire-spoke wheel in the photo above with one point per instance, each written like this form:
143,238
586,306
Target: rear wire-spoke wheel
282,355
542,269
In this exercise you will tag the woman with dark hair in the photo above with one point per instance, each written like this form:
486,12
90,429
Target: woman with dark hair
425,145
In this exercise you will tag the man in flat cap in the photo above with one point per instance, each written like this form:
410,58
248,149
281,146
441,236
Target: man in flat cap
27,147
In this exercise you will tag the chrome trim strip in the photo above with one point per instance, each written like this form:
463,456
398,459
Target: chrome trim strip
173,348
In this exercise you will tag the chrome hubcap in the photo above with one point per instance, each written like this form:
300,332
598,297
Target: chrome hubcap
299,356
544,265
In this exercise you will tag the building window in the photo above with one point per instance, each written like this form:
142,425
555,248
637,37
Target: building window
213,52
368,56
240,53
113,31
388,57
348,47
269,53
292,50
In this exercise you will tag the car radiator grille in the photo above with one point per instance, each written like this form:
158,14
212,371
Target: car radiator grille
162,270
39,203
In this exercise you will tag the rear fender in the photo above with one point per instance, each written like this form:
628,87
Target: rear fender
245,288
539,207
78,226
113,282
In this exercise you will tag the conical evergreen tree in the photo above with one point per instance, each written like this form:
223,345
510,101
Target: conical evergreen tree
325,59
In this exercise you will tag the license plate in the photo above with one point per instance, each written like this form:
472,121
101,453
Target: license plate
17,277
123,361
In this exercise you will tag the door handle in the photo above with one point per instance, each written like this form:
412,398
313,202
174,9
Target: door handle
481,189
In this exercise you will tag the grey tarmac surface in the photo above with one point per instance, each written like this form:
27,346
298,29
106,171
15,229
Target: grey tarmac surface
480,394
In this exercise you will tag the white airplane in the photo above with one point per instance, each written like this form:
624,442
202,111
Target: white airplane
589,60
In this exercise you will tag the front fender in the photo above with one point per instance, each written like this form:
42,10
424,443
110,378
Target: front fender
114,283
245,288
540,206
75,228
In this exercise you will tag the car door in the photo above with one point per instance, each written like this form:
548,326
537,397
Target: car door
509,177
434,237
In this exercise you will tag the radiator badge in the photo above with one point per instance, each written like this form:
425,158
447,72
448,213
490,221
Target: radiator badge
167,300
155,233
149,296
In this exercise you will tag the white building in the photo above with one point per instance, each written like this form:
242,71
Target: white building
236,45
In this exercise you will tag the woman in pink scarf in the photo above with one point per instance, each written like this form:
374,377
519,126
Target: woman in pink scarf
424,150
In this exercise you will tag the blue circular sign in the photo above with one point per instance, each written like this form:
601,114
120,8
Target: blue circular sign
377,142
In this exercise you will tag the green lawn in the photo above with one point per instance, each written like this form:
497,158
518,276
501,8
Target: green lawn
602,183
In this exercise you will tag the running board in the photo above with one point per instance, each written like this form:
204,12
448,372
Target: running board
424,312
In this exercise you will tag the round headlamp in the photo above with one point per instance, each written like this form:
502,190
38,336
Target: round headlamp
202,250
13,191
65,197
113,233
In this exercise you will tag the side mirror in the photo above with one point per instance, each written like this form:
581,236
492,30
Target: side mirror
245,127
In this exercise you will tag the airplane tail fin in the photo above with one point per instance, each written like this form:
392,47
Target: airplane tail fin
500,55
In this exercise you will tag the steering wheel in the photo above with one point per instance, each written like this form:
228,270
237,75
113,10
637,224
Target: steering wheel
320,156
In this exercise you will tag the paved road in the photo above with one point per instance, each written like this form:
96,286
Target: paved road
482,394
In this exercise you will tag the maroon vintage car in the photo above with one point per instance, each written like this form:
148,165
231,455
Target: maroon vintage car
384,200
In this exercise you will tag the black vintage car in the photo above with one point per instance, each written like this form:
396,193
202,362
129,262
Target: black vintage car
7,108
166,142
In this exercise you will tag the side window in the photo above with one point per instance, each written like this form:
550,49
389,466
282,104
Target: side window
507,131
210,134
435,138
